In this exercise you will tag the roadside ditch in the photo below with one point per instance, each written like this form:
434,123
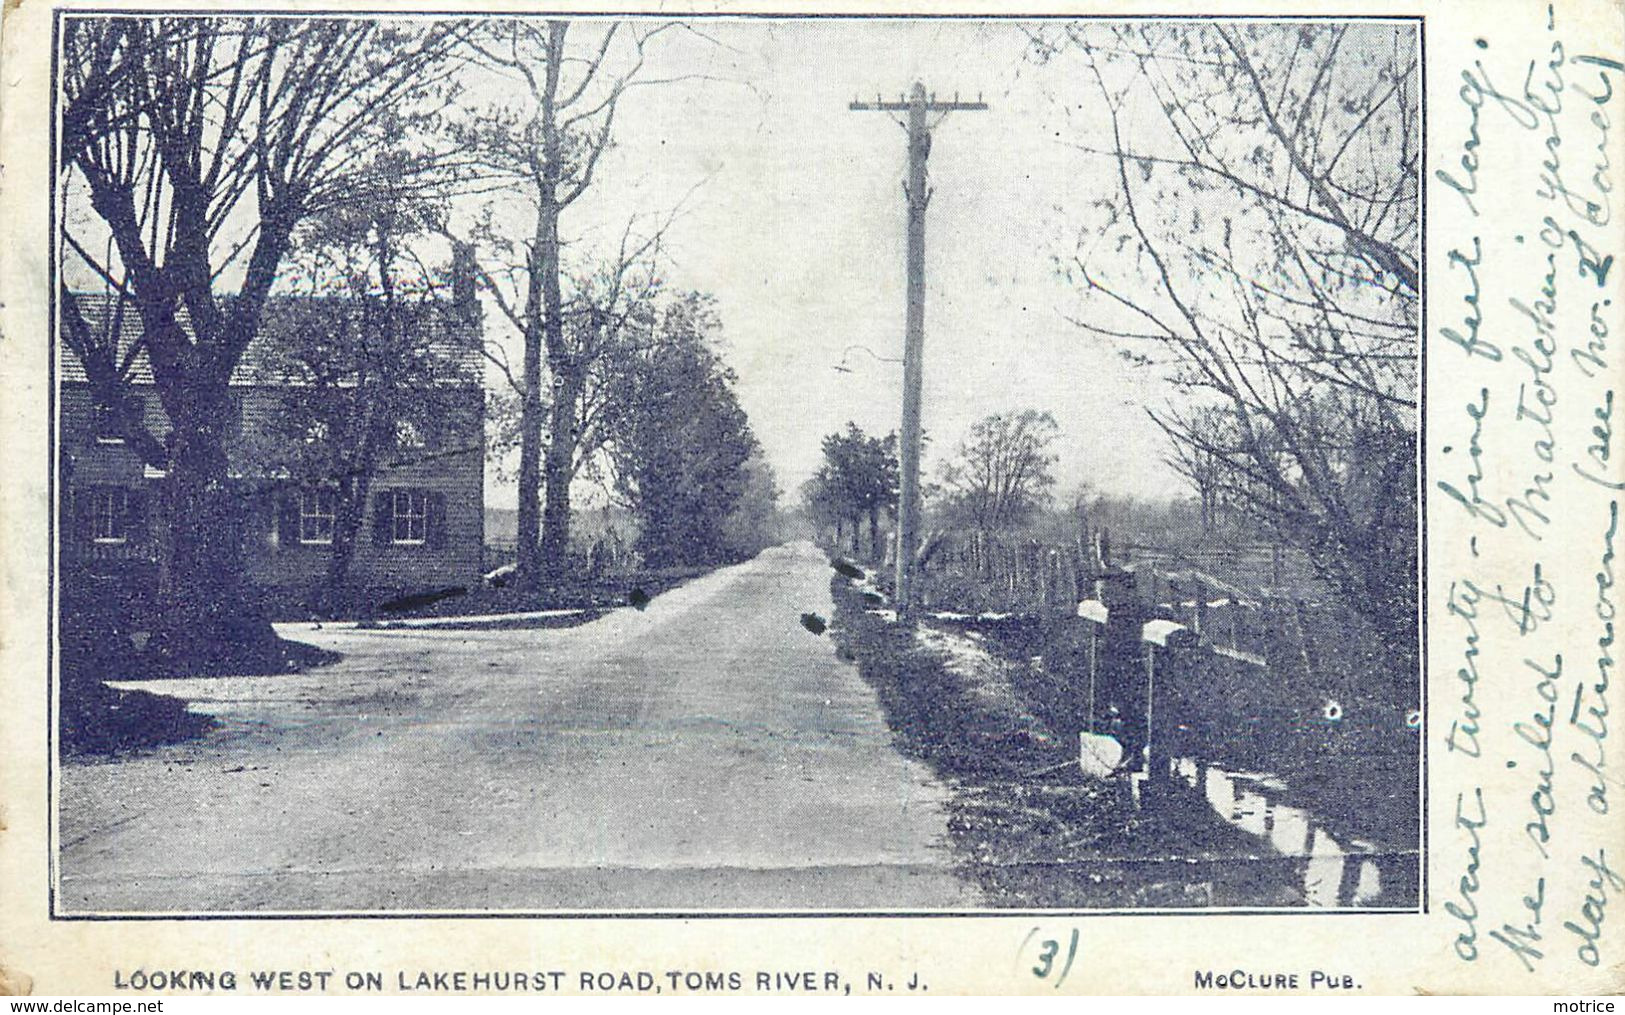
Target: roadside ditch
1028,827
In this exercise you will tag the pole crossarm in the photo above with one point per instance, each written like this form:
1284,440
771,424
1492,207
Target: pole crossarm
904,106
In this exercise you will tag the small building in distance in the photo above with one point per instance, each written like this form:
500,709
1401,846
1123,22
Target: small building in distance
423,524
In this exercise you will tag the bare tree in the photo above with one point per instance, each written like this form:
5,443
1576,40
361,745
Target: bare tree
1000,476
193,149
551,145
370,359
611,311
1260,249
1206,471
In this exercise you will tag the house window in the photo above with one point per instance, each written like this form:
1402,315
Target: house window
407,435
411,517
316,516
109,428
109,506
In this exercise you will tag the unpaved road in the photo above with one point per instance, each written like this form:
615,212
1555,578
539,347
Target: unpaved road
707,753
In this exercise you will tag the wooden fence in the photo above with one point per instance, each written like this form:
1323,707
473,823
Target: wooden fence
981,572
1231,655
1212,589
592,557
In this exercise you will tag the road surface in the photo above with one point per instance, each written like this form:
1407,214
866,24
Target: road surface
706,753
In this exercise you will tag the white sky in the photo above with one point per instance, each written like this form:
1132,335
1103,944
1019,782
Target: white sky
797,228
793,218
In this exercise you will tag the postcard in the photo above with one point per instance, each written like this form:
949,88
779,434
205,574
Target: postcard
1099,499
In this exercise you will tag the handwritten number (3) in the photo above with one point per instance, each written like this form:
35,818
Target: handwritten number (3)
1046,958
1048,950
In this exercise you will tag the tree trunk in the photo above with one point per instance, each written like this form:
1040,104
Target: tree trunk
875,550
377,431
203,613
530,459
559,468
351,510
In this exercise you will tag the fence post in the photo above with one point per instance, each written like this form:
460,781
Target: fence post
1095,615
1094,673
1311,658
1070,561
1164,641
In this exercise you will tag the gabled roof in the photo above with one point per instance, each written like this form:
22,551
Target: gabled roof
107,312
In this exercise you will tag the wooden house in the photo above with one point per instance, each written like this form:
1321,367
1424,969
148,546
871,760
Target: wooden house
423,524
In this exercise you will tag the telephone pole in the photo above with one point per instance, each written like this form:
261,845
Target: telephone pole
915,191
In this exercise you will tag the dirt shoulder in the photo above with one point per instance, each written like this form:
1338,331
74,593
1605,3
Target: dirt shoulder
1029,828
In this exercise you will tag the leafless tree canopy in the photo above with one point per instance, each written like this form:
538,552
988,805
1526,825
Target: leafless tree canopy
1259,248
570,80
200,144
1000,475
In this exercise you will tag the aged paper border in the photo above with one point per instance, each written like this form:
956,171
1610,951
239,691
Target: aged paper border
1152,952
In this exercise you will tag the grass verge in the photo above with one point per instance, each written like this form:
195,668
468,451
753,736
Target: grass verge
1026,824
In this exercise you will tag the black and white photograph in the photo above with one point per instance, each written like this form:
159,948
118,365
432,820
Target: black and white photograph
547,464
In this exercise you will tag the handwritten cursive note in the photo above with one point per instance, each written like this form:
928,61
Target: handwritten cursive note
1525,484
